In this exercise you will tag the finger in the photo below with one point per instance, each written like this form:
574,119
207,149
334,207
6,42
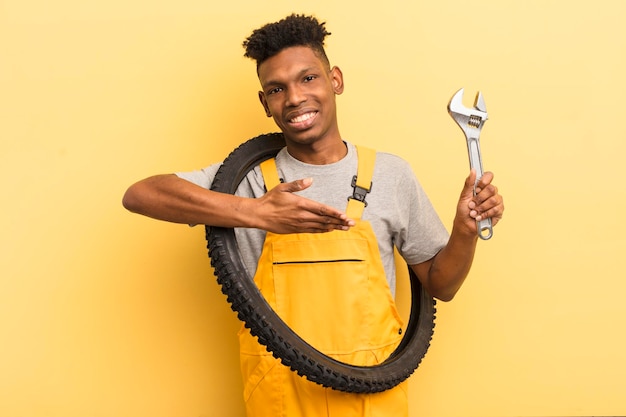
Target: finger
297,185
316,208
495,214
320,217
491,208
468,187
330,213
321,212
321,227
484,181
487,197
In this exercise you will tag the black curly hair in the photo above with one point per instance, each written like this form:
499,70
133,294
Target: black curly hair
294,30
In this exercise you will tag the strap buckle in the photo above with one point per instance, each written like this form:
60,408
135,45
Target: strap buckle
359,192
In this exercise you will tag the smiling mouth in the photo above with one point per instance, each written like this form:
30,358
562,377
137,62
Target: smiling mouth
303,117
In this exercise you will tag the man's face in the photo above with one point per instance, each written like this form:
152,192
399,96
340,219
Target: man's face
298,91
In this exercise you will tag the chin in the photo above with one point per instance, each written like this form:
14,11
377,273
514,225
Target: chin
302,138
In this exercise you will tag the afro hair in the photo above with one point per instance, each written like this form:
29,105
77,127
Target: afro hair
294,30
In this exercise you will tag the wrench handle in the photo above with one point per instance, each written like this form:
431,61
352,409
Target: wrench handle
485,230
484,227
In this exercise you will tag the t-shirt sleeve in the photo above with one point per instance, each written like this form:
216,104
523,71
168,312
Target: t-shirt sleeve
422,234
202,177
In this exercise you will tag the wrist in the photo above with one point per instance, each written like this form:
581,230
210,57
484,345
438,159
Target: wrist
247,213
464,233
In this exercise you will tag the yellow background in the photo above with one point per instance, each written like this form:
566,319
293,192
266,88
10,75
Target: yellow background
105,313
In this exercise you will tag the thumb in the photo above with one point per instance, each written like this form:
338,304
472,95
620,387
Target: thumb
298,185
468,187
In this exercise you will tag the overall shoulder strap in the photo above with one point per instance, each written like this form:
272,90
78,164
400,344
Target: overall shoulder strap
270,173
362,182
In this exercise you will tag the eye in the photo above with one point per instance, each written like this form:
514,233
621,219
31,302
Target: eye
274,90
309,78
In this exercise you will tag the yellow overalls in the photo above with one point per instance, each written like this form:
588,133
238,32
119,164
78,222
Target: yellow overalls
330,288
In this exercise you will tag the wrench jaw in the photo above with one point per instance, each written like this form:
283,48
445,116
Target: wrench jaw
479,104
469,120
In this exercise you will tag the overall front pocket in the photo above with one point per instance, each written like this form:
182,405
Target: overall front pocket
322,292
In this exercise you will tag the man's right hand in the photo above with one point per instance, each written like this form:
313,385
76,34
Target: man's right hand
282,211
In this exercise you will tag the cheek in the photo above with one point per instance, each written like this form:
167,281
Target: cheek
268,103
273,112
272,106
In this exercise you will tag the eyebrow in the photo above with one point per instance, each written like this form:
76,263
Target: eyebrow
300,74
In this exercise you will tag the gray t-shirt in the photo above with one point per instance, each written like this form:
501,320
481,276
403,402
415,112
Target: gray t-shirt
397,207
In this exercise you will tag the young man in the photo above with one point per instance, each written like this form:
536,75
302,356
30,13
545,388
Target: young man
298,90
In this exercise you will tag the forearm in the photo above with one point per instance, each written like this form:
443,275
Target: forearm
444,274
170,198
450,267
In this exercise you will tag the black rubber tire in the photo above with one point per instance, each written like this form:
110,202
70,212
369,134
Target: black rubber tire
252,308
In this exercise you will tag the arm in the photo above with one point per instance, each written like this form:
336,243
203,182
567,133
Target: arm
170,198
443,275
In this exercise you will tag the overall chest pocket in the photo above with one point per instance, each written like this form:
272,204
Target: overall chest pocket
322,291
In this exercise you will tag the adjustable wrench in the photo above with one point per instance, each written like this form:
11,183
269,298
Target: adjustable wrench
471,122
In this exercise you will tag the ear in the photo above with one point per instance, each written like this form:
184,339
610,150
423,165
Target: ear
264,103
336,78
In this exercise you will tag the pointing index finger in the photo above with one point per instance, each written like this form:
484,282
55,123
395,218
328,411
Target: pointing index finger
332,213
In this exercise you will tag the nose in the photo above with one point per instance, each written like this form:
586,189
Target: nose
295,96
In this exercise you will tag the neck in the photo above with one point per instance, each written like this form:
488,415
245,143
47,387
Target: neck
318,153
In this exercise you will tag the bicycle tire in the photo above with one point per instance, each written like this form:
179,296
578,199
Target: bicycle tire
284,344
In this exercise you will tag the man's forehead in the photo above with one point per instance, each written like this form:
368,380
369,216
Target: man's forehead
291,61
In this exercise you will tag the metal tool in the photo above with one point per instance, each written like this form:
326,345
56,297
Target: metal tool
471,122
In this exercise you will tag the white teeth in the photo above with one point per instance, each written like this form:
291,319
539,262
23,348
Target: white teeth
302,118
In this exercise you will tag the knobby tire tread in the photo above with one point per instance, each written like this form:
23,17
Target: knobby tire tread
272,332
